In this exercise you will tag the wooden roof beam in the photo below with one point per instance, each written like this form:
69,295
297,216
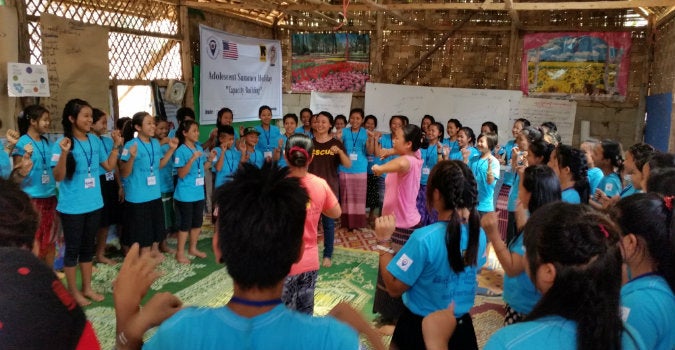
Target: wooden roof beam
489,6
665,15
396,14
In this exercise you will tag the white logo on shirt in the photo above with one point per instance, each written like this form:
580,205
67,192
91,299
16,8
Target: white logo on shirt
55,157
125,152
608,187
176,160
625,311
404,262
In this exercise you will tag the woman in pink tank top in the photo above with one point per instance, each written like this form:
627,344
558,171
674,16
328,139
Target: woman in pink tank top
400,199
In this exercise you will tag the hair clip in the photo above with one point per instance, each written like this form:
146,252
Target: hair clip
301,150
668,200
603,230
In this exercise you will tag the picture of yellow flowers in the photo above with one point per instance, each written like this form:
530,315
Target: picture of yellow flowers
576,65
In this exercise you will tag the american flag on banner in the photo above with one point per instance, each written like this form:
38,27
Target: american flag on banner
230,50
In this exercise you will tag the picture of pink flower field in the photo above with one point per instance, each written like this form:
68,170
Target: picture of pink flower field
330,62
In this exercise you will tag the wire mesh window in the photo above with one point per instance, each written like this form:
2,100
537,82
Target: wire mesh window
143,38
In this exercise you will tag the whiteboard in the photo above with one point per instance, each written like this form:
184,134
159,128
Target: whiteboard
471,107
541,110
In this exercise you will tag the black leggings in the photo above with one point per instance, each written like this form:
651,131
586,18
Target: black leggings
79,231
408,333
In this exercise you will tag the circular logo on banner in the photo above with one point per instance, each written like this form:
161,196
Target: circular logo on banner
212,47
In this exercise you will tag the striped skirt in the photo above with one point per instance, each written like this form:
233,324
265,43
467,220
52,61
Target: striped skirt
353,188
428,215
47,231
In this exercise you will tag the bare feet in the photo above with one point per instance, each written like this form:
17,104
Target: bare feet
89,293
197,253
164,248
182,259
80,299
103,260
327,262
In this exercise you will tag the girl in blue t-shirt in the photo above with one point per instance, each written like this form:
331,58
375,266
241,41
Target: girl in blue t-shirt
290,125
647,299
141,163
538,186
39,184
569,164
577,268
269,134
438,264
486,170
465,141
166,181
228,158
76,160
430,156
608,156
354,179
451,142
306,117
191,164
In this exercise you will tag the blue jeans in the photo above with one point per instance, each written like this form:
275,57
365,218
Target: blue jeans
328,235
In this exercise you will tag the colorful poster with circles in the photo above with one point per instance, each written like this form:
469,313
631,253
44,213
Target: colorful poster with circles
27,80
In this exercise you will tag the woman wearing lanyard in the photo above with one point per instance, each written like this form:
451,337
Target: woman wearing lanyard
75,160
191,164
39,183
354,180
141,161
269,134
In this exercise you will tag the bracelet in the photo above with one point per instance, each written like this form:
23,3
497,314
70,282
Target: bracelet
383,241
122,339
385,249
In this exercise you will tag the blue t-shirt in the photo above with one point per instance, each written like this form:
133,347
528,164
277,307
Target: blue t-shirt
454,149
107,146
459,156
648,305
429,158
191,187
279,328
230,165
355,146
40,181
508,150
519,292
301,130
386,143
268,140
486,191
166,173
513,194
143,184
570,195
282,157
422,264
550,333
256,158
628,190
5,165
610,184
82,193
594,177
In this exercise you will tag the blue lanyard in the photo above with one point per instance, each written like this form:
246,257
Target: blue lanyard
354,140
427,159
267,136
104,146
151,155
199,166
91,153
42,153
254,157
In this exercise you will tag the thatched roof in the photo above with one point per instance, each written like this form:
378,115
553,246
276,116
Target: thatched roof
442,15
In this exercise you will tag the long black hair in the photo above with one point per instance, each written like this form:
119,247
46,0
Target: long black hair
575,159
72,109
413,133
647,215
33,112
544,187
183,127
130,127
582,245
457,186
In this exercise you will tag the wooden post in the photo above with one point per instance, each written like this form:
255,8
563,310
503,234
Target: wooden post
513,57
185,53
638,136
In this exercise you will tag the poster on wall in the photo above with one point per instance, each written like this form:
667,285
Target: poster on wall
330,62
580,66
238,72
27,80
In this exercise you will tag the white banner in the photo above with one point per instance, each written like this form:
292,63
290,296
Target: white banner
240,73
333,102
